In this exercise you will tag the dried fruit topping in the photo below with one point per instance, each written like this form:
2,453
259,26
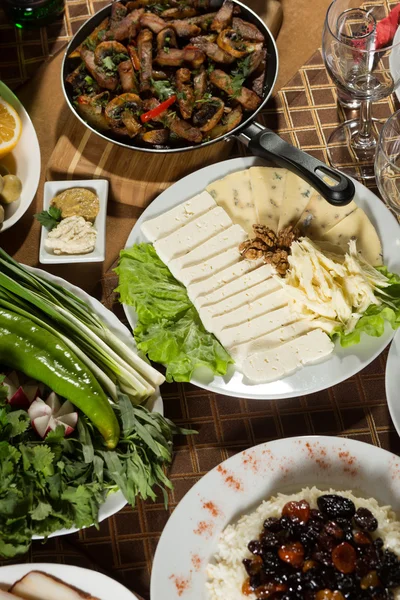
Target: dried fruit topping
370,580
253,566
255,547
365,520
329,595
292,553
299,512
246,587
344,558
361,539
332,529
272,524
269,590
309,564
334,506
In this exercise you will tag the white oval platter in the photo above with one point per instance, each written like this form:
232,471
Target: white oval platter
242,482
344,362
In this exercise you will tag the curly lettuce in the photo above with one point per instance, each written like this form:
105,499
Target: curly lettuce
169,330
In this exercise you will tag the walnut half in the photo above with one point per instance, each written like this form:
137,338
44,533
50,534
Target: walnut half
273,248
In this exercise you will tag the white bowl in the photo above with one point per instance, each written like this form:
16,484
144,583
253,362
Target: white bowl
99,187
23,161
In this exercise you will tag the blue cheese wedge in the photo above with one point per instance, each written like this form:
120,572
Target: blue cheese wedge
319,216
253,328
245,297
295,199
279,362
229,238
268,188
180,215
209,267
249,311
193,234
357,226
209,285
234,194
244,282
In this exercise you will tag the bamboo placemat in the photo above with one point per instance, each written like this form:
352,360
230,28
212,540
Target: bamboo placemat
303,112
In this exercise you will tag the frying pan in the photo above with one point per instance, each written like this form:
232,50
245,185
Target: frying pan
261,142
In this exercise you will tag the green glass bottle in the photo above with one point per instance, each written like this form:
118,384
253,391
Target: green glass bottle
33,13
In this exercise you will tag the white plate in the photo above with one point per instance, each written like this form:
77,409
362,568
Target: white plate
91,582
23,161
99,187
394,61
343,363
286,466
392,381
116,501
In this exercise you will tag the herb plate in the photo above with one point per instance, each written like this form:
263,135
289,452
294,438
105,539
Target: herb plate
343,362
89,581
115,501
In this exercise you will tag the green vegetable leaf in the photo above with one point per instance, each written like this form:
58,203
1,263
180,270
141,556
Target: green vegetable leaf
242,71
163,89
42,460
41,511
19,421
49,218
169,328
3,390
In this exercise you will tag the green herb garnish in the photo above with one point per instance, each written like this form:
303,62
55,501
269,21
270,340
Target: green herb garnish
163,89
90,44
49,218
242,71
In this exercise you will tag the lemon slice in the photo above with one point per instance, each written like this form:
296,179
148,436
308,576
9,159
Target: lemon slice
10,128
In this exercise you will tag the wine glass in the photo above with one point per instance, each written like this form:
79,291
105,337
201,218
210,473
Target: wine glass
358,67
387,162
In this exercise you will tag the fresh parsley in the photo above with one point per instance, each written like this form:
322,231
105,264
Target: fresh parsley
242,71
163,89
90,44
49,218
206,98
110,63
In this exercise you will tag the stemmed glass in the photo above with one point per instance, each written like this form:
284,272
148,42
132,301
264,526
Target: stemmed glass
358,67
387,162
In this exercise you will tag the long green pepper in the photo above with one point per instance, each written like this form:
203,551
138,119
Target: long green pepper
38,353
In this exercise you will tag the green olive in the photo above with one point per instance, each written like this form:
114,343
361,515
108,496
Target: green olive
1,214
4,170
11,190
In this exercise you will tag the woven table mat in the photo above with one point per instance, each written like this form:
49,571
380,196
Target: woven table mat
303,112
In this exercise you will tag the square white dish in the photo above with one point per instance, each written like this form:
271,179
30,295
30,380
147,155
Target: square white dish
99,187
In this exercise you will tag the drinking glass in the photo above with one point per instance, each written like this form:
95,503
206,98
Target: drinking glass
359,68
387,162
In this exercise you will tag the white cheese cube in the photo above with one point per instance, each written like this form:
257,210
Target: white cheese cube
259,292
279,362
233,236
252,329
215,264
192,235
168,222
244,282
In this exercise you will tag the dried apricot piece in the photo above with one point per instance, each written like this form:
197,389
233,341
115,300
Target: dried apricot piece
292,553
344,558
299,512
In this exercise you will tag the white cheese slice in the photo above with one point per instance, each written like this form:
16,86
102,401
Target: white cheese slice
209,267
319,216
295,199
168,222
234,194
193,234
249,311
233,236
271,340
258,292
279,362
243,282
357,226
206,286
253,328
268,187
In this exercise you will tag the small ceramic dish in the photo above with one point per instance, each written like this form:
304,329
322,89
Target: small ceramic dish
99,187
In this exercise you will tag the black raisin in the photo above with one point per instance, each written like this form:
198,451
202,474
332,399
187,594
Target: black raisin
255,547
272,524
365,520
334,506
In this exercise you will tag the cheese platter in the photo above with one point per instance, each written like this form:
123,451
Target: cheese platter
264,290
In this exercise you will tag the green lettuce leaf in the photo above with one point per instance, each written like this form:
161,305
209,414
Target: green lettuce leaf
169,329
373,320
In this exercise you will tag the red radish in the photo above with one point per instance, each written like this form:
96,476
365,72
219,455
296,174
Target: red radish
47,416
21,395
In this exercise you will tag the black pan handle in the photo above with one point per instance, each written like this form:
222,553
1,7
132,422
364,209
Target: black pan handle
265,143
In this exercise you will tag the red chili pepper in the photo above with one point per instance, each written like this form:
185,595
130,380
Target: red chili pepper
155,112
